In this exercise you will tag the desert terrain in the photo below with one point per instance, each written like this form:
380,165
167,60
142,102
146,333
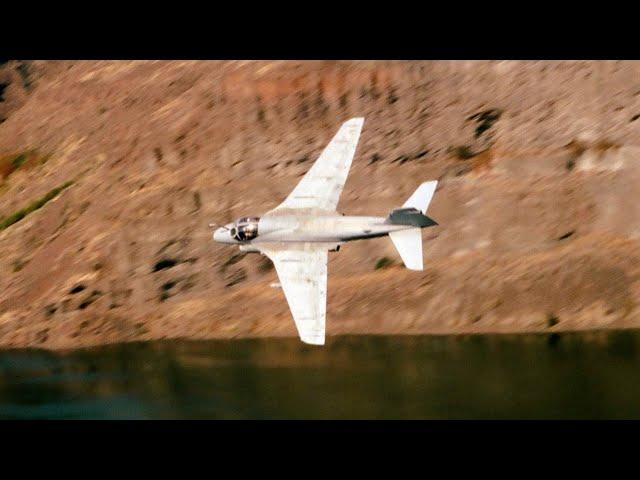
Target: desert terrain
111,171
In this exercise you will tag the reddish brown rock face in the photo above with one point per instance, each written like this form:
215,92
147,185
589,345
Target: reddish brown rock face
538,165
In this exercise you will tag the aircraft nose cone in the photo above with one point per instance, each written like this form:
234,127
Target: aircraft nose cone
219,235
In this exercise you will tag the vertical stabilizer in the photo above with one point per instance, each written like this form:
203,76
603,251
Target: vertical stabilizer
421,198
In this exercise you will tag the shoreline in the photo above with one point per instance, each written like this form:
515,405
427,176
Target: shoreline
345,336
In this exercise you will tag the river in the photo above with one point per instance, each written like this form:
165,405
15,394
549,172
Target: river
589,375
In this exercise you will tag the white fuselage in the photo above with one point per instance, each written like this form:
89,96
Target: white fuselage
311,227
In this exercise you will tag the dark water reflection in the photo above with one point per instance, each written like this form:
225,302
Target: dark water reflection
578,375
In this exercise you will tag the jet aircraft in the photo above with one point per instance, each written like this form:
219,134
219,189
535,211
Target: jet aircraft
298,234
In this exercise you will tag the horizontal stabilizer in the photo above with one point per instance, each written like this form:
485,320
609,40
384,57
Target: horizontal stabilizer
409,245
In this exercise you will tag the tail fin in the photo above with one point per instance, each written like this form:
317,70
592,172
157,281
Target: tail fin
409,242
409,245
421,198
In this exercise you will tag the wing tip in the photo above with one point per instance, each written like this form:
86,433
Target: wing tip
355,121
313,340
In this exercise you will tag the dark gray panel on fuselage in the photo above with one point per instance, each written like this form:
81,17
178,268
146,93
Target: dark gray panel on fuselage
410,217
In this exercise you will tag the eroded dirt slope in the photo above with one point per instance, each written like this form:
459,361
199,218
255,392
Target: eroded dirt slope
538,165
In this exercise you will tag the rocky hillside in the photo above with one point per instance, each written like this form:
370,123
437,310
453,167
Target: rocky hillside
111,172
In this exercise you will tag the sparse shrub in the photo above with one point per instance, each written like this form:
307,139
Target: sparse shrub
463,152
18,265
391,96
165,263
169,285
11,163
33,206
265,265
485,120
18,160
383,262
197,201
77,289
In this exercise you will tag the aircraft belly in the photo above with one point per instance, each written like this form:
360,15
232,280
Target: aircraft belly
297,237
341,235
314,228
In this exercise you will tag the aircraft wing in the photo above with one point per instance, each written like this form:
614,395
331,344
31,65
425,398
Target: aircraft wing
302,270
322,185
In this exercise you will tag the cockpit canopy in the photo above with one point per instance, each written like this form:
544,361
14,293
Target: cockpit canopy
245,228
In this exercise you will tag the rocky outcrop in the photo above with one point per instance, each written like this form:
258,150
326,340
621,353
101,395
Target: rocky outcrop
537,162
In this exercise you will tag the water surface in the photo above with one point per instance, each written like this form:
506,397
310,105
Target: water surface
577,375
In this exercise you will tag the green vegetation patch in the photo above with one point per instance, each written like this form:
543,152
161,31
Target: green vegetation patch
13,162
33,206
18,160
383,262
